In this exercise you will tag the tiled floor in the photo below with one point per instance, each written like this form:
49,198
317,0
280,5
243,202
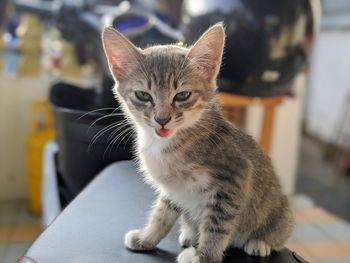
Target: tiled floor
319,236
18,228
321,181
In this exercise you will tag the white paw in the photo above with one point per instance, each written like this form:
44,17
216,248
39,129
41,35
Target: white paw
257,248
188,255
185,239
133,241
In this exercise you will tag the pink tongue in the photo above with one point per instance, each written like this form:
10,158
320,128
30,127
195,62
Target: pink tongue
164,132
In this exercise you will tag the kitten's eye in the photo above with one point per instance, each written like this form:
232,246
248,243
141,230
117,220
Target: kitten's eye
143,96
182,96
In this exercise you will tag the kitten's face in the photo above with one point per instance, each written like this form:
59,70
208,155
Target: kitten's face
165,94
165,89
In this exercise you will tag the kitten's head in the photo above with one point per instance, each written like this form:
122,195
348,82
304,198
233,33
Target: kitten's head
165,89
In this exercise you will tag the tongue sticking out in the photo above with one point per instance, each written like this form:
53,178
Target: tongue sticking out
162,132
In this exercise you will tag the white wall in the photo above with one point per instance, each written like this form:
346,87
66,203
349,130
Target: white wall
16,98
286,134
329,84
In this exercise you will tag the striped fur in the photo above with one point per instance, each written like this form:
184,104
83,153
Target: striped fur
208,172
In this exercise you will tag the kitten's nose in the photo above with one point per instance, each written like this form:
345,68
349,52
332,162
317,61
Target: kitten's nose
162,121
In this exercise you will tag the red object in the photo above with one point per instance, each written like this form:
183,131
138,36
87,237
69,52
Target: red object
25,260
56,61
162,132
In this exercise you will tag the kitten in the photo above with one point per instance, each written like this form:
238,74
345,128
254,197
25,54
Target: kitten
206,171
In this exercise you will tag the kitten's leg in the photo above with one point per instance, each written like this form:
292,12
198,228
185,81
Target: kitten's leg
274,233
215,234
270,236
257,248
219,220
162,218
188,232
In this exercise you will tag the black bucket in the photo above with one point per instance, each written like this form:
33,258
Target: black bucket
80,160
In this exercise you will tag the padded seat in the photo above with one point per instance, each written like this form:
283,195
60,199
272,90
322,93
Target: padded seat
92,228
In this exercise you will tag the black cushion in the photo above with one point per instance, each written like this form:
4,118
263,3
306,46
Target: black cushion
92,228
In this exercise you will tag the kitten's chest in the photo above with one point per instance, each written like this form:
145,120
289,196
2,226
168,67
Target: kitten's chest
181,180
163,168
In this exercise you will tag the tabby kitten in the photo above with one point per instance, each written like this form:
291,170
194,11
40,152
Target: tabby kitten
205,171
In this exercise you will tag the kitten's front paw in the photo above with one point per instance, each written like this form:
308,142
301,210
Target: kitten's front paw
184,240
188,256
257,248
187,239
134,241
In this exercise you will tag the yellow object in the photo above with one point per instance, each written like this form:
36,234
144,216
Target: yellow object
42,131
2,49
29,33
70,66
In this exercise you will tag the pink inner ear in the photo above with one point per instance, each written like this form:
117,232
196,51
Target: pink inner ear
114,65
211,72
116,71
209,69
207,52
121,64
122,55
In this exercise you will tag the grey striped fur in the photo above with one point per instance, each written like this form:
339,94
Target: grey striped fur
208,172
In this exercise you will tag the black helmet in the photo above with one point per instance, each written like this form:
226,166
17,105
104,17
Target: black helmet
267,42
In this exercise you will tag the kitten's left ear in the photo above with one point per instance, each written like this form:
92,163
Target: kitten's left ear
206,53
123,57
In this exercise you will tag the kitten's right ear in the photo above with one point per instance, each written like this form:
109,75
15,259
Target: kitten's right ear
122,55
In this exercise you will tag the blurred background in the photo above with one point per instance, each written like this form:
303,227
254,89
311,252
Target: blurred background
285,80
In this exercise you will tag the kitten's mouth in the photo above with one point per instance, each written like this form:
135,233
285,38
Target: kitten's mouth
162,132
